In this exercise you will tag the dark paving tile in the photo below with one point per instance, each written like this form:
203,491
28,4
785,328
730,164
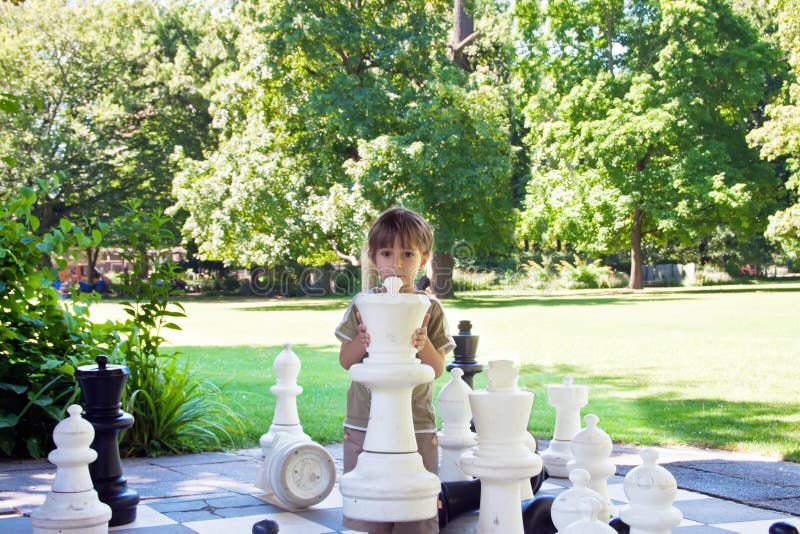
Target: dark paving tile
16,525
192,515
234,501
789,506
179,506
719,511
730,487
197,459
772,473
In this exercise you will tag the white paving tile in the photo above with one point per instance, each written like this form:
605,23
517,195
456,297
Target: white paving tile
288,522
146,517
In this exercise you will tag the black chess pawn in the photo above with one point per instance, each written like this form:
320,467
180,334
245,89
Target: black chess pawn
266,526
620,526
536,517
782,527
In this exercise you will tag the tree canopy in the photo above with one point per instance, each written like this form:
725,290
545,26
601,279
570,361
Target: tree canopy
639,126
338,110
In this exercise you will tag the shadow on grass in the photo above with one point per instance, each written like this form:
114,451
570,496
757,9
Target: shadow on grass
668,417
514,301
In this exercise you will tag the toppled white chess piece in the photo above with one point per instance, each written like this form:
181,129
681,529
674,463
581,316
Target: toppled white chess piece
502,459
591,448
295,471
73,505
566,508
651,490
455,438
567,399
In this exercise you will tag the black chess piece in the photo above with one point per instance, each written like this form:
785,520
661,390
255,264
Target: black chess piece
538,479
458,497
102,387
464,353
620,526
782,527
266,526
536,518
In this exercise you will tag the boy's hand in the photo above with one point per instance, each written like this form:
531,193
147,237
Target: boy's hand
420,336
363,335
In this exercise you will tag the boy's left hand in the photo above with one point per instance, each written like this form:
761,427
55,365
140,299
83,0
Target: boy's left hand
420,336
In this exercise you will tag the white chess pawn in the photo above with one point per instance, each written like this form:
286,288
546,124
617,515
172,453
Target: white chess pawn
295,470
567,399
73,505
651,490
591,448
455,438
566,508
589,522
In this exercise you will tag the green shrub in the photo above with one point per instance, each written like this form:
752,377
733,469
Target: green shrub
587,275
42,339
708,275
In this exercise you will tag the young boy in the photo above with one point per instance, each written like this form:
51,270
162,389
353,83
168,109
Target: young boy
400,243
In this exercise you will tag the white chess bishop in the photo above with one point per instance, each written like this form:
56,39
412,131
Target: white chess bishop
390,482
295,471
72,506
567,399
455,438
591,449
502,459
650,490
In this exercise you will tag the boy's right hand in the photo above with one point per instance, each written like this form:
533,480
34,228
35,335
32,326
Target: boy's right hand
363,335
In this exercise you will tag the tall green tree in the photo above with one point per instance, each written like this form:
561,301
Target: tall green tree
108,90
639,125
338,110
779,137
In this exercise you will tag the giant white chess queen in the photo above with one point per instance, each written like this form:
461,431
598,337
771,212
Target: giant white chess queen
390,482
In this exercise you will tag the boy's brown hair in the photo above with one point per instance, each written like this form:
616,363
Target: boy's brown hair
409,226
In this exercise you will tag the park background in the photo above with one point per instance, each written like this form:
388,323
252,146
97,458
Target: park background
574,159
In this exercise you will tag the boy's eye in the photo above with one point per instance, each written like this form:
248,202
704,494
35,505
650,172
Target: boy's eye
386,253
409,254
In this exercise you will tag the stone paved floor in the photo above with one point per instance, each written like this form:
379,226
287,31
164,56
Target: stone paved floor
212,493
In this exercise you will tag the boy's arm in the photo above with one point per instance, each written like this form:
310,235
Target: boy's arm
428,354
352,351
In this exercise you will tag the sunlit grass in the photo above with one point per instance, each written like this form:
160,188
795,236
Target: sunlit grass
715,368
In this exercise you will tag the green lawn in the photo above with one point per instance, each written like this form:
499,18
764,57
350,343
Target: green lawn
714,367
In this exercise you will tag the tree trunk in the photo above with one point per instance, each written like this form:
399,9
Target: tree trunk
636,249
463,34
442,274
91,261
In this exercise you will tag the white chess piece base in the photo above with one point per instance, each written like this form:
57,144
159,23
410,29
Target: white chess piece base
389,488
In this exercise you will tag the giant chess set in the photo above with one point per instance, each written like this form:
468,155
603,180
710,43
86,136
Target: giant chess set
492,478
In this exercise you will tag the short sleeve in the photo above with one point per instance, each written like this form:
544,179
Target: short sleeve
348,328
438,330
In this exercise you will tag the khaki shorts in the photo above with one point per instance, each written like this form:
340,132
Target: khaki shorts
428,448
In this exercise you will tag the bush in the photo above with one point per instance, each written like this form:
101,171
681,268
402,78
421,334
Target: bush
708,275
42,339
585,275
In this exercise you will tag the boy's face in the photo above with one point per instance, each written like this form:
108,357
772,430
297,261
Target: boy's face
403,262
